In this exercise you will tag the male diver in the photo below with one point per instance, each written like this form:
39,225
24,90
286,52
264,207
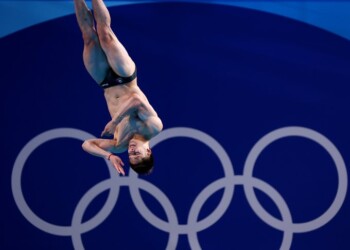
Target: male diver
134,121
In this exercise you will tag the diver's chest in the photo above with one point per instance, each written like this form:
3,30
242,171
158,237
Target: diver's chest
130,125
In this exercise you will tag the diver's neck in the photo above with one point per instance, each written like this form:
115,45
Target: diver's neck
139,137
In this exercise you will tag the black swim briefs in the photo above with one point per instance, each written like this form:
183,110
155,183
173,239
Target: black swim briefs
113,79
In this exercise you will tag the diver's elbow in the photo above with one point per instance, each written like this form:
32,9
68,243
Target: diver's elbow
85,145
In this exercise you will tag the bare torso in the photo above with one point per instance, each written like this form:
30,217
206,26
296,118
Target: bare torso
130,125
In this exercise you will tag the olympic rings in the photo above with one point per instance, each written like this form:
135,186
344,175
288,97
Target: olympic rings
193,226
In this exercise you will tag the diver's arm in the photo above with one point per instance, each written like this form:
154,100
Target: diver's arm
102,148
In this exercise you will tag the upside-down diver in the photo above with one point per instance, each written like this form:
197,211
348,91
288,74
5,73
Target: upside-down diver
134,121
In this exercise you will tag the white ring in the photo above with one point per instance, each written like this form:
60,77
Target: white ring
17,174
333,152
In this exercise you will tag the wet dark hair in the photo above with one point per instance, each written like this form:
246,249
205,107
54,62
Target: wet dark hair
145,167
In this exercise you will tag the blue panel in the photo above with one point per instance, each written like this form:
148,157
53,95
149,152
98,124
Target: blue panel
329,15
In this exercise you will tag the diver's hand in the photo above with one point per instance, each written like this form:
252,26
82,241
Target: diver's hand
117,163
109,129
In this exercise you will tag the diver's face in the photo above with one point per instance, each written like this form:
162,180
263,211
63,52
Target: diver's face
137,150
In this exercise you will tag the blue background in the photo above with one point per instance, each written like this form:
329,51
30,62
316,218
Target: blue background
234,73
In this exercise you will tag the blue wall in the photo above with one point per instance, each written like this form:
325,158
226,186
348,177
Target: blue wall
254,155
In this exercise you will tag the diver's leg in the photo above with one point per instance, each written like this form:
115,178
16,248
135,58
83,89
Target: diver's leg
95,60
117,56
